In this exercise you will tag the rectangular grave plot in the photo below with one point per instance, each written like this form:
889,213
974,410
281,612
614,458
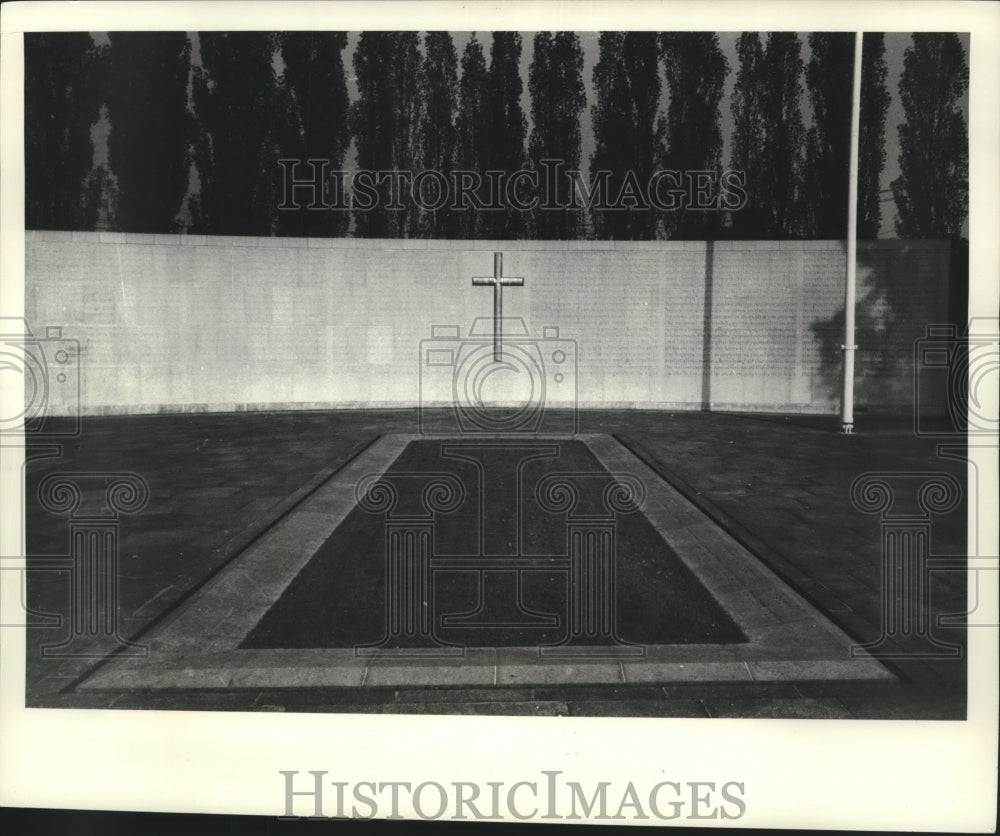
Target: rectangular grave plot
494,568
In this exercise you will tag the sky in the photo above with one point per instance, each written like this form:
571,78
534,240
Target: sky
895,45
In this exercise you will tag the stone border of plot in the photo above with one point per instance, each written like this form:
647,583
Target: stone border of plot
198,646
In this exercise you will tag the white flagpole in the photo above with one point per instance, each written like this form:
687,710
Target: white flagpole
847,401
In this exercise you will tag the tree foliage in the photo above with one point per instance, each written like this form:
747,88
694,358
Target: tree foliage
147,94
784,133
242,120
385,121
508,126
769,136
437,134
423,112
932,191
871,143
748,146
696,72
62,95
555,83
316,88
627,142
472,131
830,81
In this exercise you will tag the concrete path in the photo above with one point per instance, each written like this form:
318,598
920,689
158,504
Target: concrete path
779,486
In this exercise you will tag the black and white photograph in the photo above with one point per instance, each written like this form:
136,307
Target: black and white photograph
397,381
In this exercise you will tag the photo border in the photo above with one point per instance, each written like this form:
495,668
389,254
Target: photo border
840,774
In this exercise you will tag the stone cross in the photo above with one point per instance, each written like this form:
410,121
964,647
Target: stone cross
498,280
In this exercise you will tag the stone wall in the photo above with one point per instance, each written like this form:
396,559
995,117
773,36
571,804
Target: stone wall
175,323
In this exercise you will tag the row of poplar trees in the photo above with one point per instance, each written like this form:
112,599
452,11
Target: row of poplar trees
193,145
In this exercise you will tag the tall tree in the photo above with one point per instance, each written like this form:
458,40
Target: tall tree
148,142
784,133
555,82
507,130
932,191
871,144
627,142
385,121
696,72
240,120
439,91
830,79
748,149
316,87
472,137
62,100
769,136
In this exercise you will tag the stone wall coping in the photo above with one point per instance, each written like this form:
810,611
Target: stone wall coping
395,244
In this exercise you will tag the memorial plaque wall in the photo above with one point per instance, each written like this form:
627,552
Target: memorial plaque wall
175,323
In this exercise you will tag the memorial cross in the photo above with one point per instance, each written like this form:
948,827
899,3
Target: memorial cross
498,280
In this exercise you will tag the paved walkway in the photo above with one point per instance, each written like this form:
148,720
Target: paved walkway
780,485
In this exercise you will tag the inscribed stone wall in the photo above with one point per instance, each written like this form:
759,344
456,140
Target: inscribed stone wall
178,323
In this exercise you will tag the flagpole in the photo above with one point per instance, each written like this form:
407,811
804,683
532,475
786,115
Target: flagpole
847,400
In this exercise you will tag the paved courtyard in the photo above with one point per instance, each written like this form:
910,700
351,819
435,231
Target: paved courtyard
777,486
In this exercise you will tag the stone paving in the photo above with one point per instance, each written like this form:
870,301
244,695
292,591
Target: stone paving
778,484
